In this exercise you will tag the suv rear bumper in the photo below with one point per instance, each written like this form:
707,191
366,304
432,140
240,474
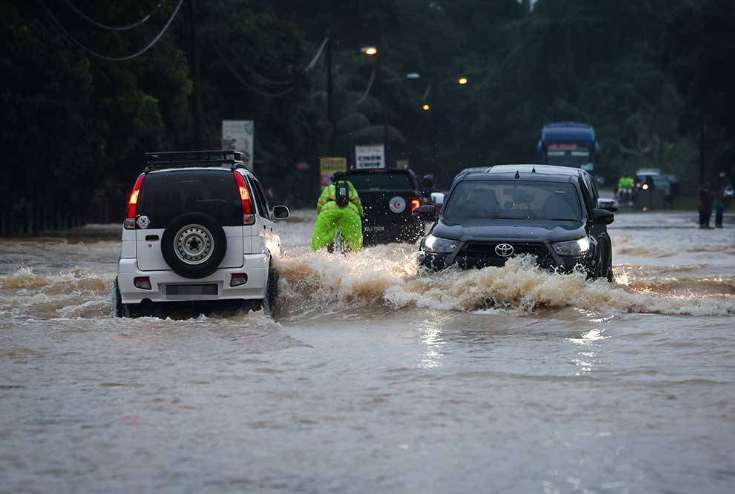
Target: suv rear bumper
255,266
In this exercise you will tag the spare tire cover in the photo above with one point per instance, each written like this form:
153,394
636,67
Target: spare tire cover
194,244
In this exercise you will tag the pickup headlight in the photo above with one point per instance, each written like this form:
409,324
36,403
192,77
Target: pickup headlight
437,244
574,248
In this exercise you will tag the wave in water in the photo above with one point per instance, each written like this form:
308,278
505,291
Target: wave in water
387,275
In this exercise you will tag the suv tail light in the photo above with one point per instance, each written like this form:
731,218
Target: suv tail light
415,203
248,218
132,211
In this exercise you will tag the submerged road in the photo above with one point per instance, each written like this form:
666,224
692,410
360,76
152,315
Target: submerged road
370,379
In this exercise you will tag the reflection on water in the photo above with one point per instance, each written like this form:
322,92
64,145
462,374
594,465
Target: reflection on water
586,355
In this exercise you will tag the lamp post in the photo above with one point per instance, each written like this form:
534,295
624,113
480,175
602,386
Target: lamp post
372,51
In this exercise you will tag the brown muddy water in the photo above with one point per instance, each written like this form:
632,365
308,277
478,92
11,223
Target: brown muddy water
370,379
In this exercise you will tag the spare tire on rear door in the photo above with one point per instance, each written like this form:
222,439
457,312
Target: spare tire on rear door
194,244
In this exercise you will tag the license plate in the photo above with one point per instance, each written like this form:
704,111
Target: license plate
374,228
191,290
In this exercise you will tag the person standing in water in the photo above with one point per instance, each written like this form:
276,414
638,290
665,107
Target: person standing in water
339,208
706,201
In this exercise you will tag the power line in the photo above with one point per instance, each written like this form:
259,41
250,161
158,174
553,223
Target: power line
112,28
247,85
256,74
318,54
105,57
369,87
267,80
426,93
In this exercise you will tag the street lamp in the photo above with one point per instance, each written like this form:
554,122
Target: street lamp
462,81
409,76
369,50
372,51
426,107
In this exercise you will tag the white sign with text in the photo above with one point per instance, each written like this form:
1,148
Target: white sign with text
372,156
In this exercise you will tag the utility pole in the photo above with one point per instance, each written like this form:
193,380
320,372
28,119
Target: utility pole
330,110
196,74
384,116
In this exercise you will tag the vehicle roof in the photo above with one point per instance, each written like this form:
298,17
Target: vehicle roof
242,170
648,171
354,171
536,172
567,131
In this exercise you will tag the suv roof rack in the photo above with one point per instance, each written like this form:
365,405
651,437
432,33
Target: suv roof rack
160,160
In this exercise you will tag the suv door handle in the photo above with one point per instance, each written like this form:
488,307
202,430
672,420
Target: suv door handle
151,238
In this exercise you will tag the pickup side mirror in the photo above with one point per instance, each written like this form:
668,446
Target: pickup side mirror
426,213
608,204
437,198
281,212
602,216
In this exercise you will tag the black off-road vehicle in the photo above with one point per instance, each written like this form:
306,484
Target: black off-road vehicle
549,212
388,196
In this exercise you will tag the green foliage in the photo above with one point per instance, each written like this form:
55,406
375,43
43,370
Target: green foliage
644,73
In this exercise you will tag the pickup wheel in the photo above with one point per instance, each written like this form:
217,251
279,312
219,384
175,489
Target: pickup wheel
194,244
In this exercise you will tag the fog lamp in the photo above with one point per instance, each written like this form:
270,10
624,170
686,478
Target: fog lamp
238,279
143,282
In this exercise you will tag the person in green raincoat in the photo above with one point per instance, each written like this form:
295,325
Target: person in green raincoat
332,217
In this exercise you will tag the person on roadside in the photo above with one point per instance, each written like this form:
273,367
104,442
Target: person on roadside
339,209
720,206
625,190
706,199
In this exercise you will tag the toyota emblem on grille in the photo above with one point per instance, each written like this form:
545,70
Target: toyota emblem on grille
504,250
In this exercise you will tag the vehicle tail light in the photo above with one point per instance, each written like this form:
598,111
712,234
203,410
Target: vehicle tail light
415,203
142,282
132,212
248,218
238,279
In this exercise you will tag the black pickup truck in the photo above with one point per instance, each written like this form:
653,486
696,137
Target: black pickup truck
388,196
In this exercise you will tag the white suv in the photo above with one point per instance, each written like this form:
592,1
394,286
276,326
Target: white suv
197,228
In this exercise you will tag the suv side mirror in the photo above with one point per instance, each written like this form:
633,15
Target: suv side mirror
608,204
602,216
281,212
437,198
426,213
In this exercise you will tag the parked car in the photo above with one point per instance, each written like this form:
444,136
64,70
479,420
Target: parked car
388,197
654,189
198,228
489,216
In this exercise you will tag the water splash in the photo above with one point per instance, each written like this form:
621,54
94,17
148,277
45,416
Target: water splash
388,276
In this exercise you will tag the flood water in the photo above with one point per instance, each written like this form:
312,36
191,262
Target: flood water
371,379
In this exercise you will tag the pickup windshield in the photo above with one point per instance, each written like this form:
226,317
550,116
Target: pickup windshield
381,181
512,200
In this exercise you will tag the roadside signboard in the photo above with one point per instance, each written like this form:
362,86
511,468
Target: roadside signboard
329,166
372,156
237,135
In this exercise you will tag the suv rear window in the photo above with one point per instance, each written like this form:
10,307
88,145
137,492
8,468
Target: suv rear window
166,195
481,200
381,181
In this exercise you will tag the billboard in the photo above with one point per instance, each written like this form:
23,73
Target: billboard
328,166
238,135
372,156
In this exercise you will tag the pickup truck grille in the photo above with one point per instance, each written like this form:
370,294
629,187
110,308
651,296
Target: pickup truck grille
479,254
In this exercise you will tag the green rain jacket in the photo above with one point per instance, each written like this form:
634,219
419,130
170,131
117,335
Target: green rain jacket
332,217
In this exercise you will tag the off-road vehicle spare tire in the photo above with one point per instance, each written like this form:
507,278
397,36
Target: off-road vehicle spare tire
194,244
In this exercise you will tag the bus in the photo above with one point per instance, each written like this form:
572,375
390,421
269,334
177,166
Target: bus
569,144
